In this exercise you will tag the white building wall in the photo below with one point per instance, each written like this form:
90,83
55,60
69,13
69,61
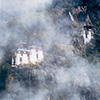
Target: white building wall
40,55
89,36
37,55
12,61
24,59
17,59
88,39
32,56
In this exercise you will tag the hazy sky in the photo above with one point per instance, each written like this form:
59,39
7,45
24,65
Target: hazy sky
16,5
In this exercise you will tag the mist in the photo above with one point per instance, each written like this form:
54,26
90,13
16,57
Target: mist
64,75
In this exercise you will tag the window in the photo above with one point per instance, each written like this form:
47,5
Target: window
36,55
20,59
14,61
21,54
28,55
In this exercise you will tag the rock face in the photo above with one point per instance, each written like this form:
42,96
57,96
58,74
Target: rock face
9,81
65,74
84,11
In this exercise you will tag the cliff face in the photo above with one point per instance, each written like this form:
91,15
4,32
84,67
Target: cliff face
89,13
65,73
83,11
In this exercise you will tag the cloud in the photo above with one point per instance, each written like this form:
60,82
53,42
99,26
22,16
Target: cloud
64,73
24,5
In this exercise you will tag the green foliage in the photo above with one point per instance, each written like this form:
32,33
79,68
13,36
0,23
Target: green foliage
4,68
